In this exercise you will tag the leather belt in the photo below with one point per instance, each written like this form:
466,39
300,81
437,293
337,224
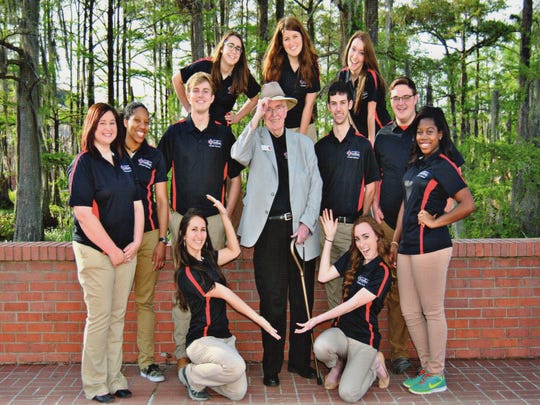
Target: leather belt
346,220
283,217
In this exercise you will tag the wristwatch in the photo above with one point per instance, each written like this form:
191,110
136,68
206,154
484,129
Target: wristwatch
164,240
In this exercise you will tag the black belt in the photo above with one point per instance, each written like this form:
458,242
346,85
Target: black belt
346,220
283,217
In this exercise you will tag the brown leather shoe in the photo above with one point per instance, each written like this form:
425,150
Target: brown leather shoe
182,362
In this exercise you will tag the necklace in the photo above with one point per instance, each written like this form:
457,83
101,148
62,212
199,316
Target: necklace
132,151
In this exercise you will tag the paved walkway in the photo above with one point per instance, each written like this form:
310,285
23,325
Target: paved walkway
469,382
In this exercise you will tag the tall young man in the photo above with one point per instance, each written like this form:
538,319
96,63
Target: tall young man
349,173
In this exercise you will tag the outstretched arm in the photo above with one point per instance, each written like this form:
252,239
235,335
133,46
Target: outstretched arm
225,293
362,297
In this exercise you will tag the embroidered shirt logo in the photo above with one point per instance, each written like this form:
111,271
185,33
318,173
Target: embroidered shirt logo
126,168
144,163
353,154
302,83
362,280
424,174
215,143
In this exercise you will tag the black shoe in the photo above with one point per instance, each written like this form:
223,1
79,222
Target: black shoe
103,398
400,365
307,373
123,394
271,380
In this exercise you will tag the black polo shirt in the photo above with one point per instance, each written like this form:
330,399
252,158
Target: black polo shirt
224,101
282,199
201,162
295,86
208,316
149,167
110,190
393,146
371,92
362,324
346,168
428,184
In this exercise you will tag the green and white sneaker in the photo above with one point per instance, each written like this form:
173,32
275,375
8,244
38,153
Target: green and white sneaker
409,382
430,384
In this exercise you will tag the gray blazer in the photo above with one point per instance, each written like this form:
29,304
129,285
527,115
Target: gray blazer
254,149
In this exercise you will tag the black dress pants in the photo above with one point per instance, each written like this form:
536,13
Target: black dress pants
277,278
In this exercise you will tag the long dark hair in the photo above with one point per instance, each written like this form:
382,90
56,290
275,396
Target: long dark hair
95,112
446,146
383,249
275,54
187,260
240,73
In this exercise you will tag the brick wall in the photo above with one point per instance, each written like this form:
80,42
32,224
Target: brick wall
492,304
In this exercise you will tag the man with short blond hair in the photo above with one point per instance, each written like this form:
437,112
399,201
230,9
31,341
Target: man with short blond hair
198,152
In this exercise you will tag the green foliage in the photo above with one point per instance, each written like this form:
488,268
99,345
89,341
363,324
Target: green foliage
7,227
489,170
64,231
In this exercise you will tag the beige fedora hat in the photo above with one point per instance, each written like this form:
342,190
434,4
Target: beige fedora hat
273,91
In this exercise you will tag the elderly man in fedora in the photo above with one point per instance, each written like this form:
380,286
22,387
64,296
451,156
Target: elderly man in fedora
282,202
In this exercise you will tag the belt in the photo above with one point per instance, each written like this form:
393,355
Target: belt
346,220
283,217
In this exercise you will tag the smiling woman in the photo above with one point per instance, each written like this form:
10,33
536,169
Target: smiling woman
230,75
291,60
108,232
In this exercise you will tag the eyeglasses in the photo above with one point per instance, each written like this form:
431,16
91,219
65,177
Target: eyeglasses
406,98
233,47
279,109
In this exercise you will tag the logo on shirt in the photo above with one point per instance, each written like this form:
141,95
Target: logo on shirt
302,83
214,143
362,281
424,174
353,154
144,163
126,168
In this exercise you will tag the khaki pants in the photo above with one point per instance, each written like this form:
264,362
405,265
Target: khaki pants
106,290
398,335
358,374
181,319
144,285
216,363
342,243
422,285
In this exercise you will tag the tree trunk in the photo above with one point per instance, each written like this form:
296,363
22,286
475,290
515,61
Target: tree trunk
195,9
525,187
110,52
280,9
28,223
371,18
90,84
262,29
494,120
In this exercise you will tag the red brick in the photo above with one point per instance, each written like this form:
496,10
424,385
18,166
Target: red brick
533,262
468,333
494,312
14,327
16,306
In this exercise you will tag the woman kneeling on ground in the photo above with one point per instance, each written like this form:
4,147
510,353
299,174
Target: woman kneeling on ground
350,347
201,285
